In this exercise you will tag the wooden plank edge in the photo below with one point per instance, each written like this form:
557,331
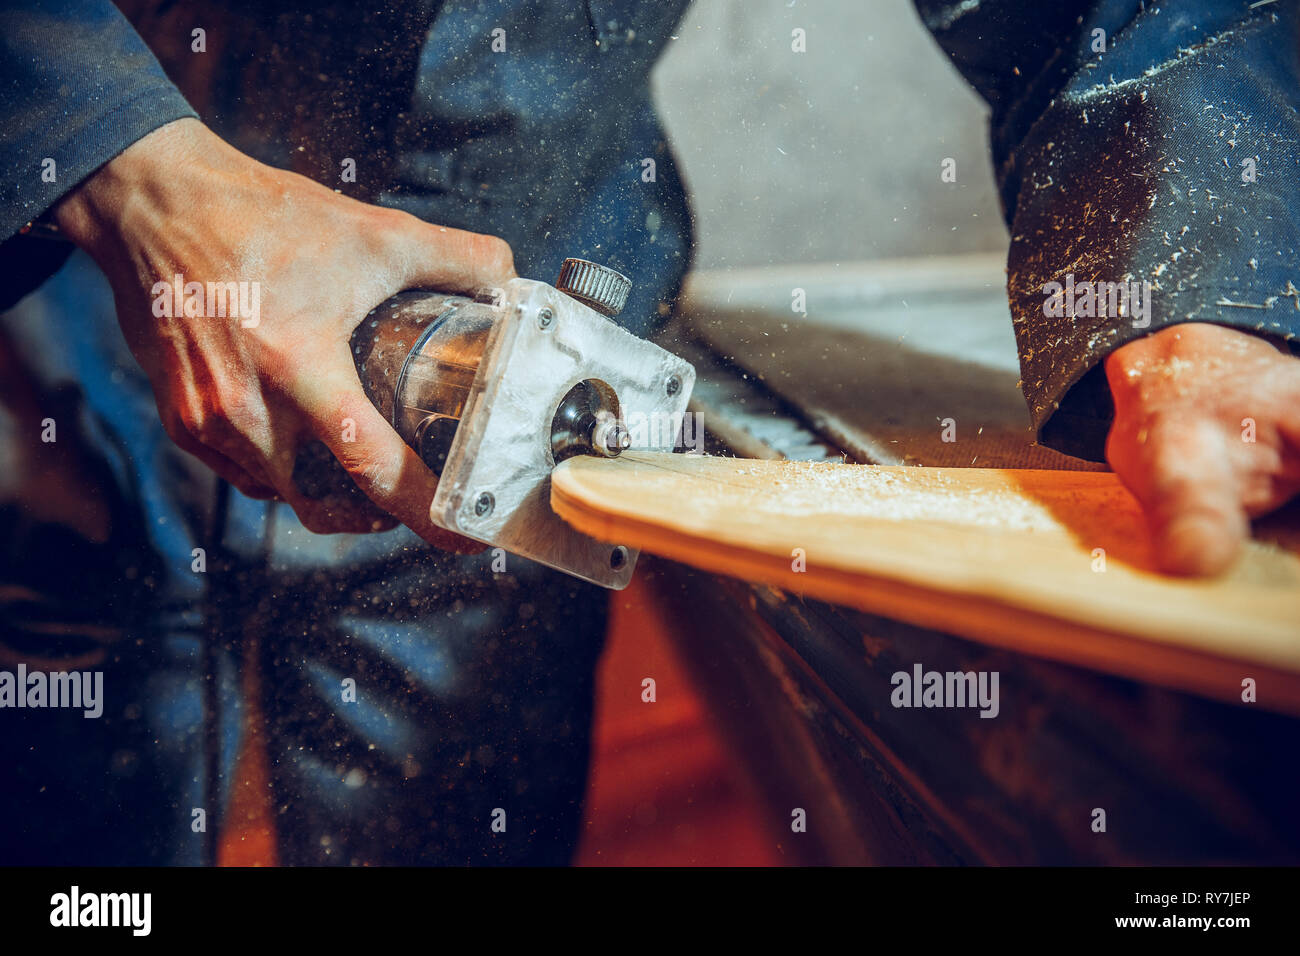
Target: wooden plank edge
990,622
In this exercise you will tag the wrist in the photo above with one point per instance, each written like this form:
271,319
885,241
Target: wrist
143,180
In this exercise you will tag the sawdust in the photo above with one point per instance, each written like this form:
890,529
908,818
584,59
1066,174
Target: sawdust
811,488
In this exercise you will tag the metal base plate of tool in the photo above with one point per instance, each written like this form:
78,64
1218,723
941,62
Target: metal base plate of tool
493,392
494,486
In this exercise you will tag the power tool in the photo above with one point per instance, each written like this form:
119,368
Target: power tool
494,390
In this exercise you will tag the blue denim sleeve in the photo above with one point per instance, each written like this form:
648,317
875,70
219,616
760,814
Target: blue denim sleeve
1152,146
77,86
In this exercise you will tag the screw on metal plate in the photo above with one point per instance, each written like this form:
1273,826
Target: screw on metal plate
545,317
674,385
618,557
484,505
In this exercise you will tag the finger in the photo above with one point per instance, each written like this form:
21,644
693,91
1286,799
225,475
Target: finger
1288,427
381,464
246,453
225,468
327,517
449,260
339,513
1184,476
326,498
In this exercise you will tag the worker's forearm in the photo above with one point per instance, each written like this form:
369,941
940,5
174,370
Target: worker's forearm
77,87
1134,146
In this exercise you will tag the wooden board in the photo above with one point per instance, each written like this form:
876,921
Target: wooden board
1006,556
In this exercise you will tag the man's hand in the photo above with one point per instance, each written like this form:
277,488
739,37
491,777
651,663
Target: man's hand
1189,399
242,397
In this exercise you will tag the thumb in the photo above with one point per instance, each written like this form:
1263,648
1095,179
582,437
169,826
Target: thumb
379,462
450,260
1184,477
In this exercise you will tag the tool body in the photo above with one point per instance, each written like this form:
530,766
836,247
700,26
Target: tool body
494,391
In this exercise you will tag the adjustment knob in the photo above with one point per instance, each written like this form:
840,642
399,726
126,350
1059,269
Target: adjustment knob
595,286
